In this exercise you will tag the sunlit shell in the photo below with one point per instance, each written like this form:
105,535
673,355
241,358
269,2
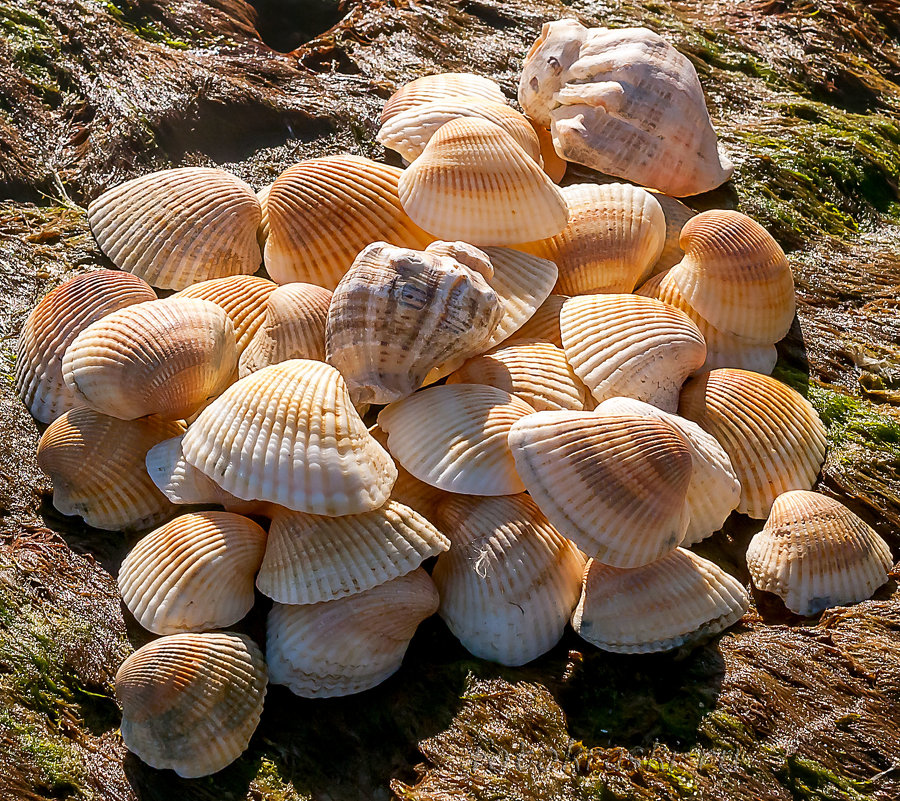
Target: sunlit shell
437,87
454,437
677,599
553,165
815,553
544,323
613,484
262,233
194,573
773,436
96,464
631,346
323,212
289,434
176,227
191,702
164,357
474,183
677,214
509,581
52,325
350,644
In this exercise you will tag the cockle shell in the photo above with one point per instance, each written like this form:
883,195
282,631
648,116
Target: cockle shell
677,214
350,644
679,598
544,323
96,464
613,484
164,357
474,183
289,434
60,316
262,233
194,573
773,436
553,165
815,553
176,227
191,702
454,437
509,581
324,211
444,85
630,346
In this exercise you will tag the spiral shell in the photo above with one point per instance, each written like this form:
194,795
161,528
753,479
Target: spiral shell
444,85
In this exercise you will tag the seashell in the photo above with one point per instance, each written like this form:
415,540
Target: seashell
553,165
398,313
310,558
191,702
815,553
163,357
454,437
613,484
194,573
293,327
626,103
289,434
614,236
631,346
174,228
474,183
773,436
323,212
677,599
262,233
509,581
438,87
544,323
96,464
52,325
677,214
350,644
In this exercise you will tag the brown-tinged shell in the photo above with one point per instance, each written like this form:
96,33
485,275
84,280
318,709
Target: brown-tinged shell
553,165
544,323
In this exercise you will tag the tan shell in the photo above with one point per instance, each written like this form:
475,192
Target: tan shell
544,323
677,214
289,434
52,325
176,227
350,644
96,464
474,183
164,357
323,212
509,581
553,165
773,436
437,87
193,574
815,553
262,233
191,702
614,485
677,599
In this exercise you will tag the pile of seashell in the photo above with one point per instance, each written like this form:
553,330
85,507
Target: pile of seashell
606,401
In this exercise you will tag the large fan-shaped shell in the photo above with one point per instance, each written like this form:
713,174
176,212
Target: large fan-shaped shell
544,323
439,87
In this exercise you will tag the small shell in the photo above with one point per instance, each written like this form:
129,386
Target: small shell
437,87
509,581
176,227
164,357
544,323
677,214
815,553
60,316
677,599
773,436
614,485
193,574
553,165
191,702
350,644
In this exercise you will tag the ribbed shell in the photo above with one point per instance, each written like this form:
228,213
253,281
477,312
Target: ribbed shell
815,553
193,574
474,183
773,436
677,214
323,212
454,437
509,581
191,702
544,323
290,435
96,464
262,233
553,165
631,346
350,644
438,87
165,357
52,325
614,485
674,600
176,227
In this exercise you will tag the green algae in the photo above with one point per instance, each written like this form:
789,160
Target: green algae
143,26
269,784
34,50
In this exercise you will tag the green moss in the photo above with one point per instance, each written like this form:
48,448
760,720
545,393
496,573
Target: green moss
34,50
806,778
678,777
144,27
270,785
